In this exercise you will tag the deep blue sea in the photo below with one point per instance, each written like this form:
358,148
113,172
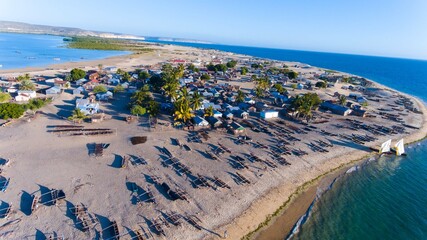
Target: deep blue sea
29,50
385,199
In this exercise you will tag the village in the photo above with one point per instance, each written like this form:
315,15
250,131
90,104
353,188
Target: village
179,148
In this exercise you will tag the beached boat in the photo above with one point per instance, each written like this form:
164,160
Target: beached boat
385,147
399,148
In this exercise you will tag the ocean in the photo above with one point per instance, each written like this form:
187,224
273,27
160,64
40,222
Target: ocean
29,50
384,199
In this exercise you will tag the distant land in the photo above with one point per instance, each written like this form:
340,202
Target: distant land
19,27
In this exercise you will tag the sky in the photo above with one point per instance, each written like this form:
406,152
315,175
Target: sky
396,28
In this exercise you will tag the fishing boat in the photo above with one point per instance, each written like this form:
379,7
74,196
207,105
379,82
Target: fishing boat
399,148
384,149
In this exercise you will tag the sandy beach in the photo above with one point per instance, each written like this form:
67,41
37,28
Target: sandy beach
40,160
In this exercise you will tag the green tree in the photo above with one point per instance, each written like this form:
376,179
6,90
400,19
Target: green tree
153,108
196,100
142,75
342,100
183,111
27,85
118,88
192,68
77,116
240,96
11,110
292,75
142,97
120,71
205,76
209,111
171,76
257,66
4,97
100,89
321,84
259,92
305,104
137,110
294,86
36,103
157,82
77,74
23,77
279,87
243,70
232,64
221,68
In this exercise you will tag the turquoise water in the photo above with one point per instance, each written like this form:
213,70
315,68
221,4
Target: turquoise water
385,199
29,50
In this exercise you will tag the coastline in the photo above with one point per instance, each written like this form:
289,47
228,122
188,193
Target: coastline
263,212
266,209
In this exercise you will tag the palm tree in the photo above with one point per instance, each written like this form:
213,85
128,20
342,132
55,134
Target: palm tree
342,99
196,100
209,112
170,89
183,111
77,116
259,92
240,96
27,85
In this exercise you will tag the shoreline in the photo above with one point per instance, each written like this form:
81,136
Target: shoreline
283,210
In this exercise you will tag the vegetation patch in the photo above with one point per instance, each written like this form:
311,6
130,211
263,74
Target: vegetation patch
97,43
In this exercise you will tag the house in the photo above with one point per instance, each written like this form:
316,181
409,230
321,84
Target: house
200,122
240,113
217,114
104,96
236,128
334,108
260,106
81,81
249,100
228,115
359,112
94,77
362,100
113,81
61,83
111,69
214,122
269,114
22,97
79,90
30,93
87,106
53,90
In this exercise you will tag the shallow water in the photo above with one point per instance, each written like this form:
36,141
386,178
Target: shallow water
385,199
29,50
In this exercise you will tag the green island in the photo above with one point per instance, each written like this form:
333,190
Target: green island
97,43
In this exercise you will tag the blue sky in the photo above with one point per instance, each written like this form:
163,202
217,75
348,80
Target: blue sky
370,27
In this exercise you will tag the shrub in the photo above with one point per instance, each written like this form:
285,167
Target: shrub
11,110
